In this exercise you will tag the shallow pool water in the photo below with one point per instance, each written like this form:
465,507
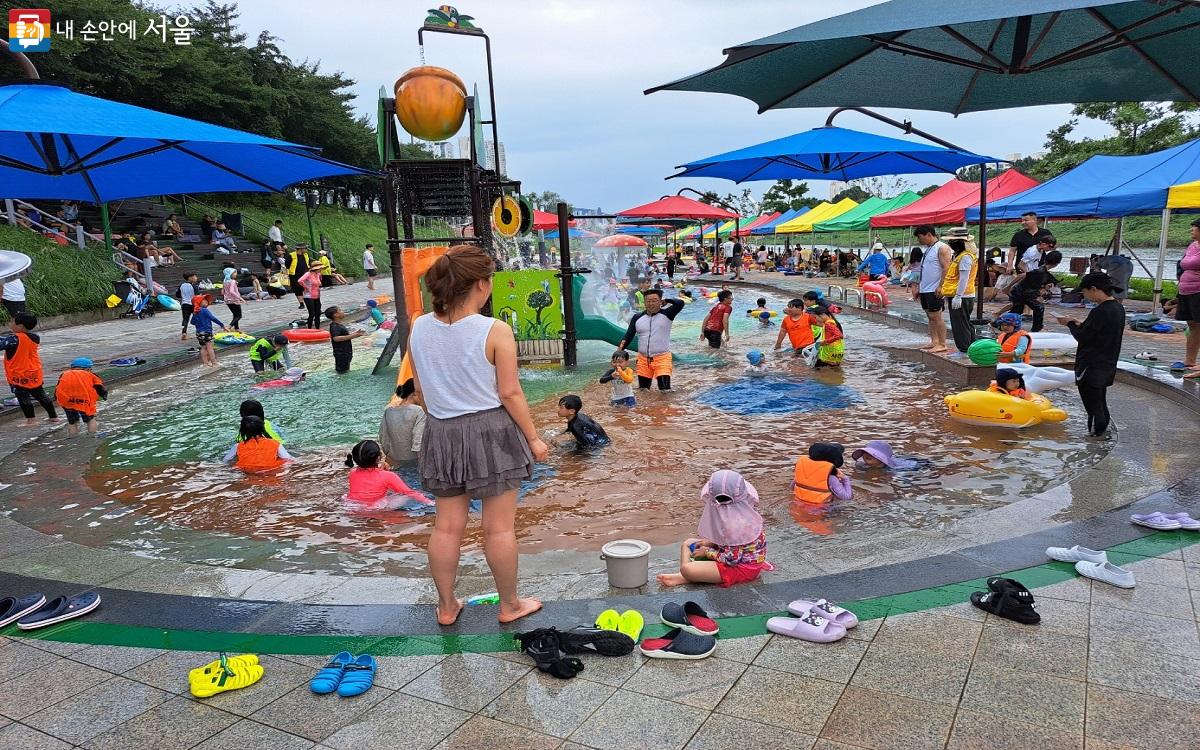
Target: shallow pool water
162,490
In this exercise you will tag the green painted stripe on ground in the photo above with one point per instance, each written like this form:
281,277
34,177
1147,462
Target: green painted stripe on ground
108,634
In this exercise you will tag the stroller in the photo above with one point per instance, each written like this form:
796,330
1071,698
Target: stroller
132,295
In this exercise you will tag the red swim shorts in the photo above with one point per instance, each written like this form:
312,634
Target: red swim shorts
731,574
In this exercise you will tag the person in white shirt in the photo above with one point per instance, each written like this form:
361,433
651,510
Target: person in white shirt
369,265
12,293
275,233
934,264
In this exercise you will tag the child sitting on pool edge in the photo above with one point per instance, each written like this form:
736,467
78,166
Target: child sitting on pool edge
583,428
621,375
372,486
818,477
732,547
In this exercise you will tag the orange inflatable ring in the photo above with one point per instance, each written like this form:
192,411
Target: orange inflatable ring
306,335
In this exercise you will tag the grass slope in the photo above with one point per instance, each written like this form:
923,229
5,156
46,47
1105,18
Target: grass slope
348,230
63,279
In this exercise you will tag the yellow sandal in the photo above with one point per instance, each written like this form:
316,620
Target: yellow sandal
230,675
203,673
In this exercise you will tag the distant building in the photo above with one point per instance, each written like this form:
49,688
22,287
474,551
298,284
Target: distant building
836,187
443,150
464,151
1018,156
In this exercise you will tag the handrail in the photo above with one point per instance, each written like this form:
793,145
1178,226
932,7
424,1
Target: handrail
833,290
857,292
247,222
146,274
80,238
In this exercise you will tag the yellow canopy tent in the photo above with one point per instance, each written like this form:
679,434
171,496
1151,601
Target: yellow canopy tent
723,228
1186,195
821,212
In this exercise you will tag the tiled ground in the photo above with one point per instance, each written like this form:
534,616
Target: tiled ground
1107,668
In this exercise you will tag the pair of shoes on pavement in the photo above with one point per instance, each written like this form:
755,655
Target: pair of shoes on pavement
1166,521
1008,599
1093,564
345,674
693,633
815,620
33,611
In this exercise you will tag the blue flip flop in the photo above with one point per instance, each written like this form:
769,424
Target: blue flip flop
360,676
14,608
330,677
60,609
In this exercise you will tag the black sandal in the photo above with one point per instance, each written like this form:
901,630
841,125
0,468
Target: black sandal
586,639
545,648
1010,604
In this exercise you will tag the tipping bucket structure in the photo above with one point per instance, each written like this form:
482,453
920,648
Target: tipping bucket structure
628,562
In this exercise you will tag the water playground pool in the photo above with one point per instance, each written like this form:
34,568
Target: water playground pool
157,488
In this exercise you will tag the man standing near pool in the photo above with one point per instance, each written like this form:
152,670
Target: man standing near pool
652,326
934,264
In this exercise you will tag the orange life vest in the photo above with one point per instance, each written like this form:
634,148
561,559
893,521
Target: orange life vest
1010,341
76,390
812,481
258,454
24,369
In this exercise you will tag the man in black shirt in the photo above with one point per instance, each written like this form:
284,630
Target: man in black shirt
1099,340
1028,288
583,428
341,338
1026,237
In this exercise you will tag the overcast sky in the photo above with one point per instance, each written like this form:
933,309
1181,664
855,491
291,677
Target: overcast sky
570,76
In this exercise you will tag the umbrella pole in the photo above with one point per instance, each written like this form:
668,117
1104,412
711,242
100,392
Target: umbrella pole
1162,256
107,222
567,274
980,266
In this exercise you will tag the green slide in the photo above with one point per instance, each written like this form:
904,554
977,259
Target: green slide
594,326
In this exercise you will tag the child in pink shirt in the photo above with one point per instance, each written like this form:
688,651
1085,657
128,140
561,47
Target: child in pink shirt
372,486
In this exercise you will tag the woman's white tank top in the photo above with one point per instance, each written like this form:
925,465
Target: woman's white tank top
451,362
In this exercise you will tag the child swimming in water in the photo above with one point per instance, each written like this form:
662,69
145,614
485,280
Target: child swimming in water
583,428
254,408
758,363
1010,382
372,486
621,375
732,547
254,451
818,477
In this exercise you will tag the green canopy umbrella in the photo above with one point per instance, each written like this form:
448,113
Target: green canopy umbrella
969,56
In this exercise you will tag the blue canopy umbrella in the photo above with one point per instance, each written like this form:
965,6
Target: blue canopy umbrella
56,143
831,153
640,231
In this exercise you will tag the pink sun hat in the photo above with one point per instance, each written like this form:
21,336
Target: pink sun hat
879,450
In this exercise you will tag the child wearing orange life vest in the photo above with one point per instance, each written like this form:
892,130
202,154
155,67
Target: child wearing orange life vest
818,478
1009,382
77,392
254,451
1015,344
23,367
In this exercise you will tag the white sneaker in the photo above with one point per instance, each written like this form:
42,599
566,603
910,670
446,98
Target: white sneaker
1076,553
1106,572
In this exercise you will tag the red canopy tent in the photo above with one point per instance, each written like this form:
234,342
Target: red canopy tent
758,222
949,203
678,207
546,221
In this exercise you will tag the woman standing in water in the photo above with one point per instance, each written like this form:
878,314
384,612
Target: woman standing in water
479,439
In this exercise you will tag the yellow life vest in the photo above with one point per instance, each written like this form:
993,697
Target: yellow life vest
950,284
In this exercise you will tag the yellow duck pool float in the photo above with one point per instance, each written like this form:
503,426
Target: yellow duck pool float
989,409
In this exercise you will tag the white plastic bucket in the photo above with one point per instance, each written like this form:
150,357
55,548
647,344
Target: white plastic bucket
628,562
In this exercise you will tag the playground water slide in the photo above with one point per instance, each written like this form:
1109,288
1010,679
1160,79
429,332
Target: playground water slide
595,326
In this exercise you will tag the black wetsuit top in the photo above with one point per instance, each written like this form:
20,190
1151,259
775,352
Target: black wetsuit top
586,432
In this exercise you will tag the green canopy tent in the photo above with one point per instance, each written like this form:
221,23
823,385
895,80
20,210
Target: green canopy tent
858,219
